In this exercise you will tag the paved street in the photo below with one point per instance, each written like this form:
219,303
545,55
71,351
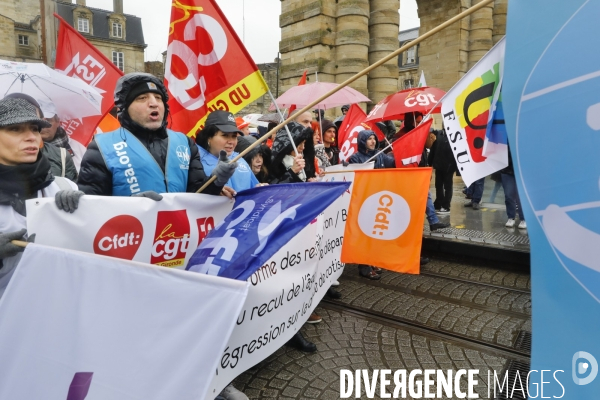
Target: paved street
453,316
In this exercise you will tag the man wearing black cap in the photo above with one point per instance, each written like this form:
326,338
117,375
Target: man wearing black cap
143,157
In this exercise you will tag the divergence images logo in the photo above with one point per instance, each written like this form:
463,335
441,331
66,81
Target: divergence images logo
119,237
377,213
581,367
474,105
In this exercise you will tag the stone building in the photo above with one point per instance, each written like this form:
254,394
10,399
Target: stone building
28,31
338,38
262,104
117,35
408,61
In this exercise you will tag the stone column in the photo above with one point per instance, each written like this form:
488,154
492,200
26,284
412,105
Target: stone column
383,32
352,42
480,34
500,11
307,41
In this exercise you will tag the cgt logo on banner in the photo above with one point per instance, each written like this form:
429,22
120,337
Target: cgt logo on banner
468,109
162,233
207,66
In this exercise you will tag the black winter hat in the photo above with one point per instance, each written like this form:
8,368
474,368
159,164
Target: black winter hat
131,85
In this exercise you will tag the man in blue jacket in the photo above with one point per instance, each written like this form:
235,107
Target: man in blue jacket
143,157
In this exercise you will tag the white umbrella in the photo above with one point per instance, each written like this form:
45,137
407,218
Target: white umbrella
253,119
72,97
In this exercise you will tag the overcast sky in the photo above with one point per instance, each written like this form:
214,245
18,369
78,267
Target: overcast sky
256,21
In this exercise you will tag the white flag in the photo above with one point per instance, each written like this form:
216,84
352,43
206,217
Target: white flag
422,82
81,326
468,109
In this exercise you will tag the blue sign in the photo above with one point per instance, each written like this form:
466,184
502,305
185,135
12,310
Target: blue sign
262,221
551,99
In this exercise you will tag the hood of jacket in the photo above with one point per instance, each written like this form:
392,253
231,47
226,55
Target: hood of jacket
361,142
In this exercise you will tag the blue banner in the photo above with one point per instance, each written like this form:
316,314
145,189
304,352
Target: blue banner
551,99
262,221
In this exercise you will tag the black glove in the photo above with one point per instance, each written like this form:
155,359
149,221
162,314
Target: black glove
68,200
224,169
150,194
7,249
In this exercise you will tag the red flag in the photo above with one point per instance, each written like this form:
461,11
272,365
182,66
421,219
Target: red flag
208,67
301,82
354,122
408,149
75,56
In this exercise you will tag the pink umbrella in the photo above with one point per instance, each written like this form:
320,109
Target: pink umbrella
301,96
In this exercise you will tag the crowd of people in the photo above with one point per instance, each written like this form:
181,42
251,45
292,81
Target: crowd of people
37,161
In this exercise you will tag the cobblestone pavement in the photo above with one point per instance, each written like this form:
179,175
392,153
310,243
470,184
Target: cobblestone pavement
351,340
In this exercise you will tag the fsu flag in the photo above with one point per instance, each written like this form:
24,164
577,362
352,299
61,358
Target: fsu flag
474,118
354,122
75,56
385,218
207,67
409,148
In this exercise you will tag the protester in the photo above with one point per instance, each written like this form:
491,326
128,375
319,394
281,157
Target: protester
442,160
243,126
24,174
259,158
475,192
511,196
367,145
367,148
158,160
220,134
345,109
286,165
411,120
328,153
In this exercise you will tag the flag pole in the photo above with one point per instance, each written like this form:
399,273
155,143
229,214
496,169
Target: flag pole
355,77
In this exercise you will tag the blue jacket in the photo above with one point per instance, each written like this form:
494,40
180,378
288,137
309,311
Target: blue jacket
381,161
243,178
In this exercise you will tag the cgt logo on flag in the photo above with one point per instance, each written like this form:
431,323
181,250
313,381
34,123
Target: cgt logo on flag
385,218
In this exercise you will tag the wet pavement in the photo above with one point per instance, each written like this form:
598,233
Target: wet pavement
452,316
484,227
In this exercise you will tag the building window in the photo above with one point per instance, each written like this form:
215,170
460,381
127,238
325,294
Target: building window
408,83
23,40
118,58
117,30
83,25
411,55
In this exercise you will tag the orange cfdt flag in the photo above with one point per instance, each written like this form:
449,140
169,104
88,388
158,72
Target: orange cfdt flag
108,124
207,66
385,218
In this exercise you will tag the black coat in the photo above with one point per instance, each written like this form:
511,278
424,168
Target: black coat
282,146
96,179
381,161
52,153
441,156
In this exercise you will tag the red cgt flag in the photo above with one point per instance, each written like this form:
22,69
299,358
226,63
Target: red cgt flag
354,122
75,56
409,148
208,67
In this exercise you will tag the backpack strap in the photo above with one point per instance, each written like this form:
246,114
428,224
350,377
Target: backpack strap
63,183
63,160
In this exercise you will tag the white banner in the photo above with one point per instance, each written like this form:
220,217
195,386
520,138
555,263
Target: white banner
80,326
283,292
162,232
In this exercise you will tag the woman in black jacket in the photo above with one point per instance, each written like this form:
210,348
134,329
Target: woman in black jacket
286,165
